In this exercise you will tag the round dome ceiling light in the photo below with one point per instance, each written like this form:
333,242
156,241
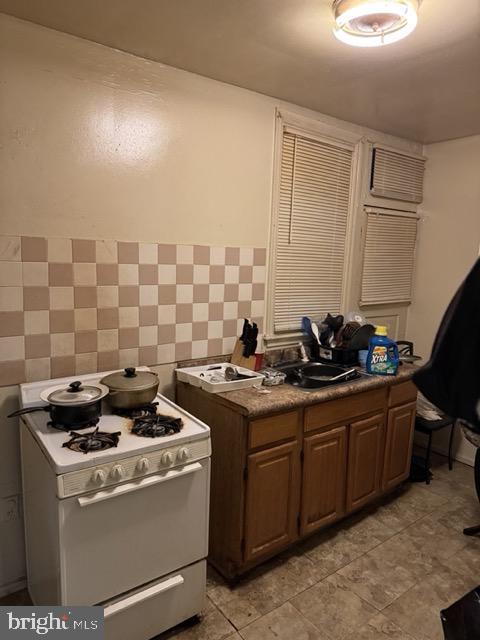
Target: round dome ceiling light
374,23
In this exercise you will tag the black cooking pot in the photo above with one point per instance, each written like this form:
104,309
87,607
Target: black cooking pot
72,407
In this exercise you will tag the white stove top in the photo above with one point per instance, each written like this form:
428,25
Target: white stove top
64,460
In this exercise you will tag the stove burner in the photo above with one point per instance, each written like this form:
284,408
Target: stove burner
144,410
156,426
93,441
147,423
69,427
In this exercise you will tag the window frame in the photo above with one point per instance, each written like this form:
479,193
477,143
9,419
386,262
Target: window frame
329,134
393,213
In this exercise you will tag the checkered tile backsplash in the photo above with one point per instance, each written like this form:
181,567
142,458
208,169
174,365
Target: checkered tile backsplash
78,306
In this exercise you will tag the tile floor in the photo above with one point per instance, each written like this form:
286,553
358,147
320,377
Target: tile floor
383,574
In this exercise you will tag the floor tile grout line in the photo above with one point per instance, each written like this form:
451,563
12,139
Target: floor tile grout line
238,629
222,614
393,533
385,613
417,581
312,623
425,515
361,555
377,611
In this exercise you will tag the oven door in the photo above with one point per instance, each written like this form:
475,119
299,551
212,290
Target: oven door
117,539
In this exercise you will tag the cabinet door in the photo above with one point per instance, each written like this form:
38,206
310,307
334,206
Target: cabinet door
324,475
365,461
398,448
272,499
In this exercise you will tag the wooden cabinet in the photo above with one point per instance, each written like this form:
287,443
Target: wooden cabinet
268,431
344,410
323,482
398,446
365,461
402,393
272,497
283,475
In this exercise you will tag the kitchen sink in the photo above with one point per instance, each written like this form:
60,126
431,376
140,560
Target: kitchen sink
315,375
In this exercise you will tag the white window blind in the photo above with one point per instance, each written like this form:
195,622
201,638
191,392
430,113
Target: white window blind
397,176
311,229
388,257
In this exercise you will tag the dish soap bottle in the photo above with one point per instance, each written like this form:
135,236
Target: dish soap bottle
382,358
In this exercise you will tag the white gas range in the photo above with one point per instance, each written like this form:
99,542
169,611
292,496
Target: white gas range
125,527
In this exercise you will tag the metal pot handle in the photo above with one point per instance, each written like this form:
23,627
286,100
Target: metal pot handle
131,372
345,374
21,412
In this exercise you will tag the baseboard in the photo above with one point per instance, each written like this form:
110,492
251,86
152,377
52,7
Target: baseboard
458,457
12,587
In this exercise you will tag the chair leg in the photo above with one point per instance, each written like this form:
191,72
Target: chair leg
450,460
427,458
473,531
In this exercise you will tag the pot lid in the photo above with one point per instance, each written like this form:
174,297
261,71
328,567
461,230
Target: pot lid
130,380
75,394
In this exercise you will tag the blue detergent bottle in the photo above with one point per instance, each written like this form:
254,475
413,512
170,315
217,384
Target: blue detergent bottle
382,358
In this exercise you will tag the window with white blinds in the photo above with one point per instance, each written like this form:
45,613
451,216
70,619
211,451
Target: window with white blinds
388,261
311,229
397,176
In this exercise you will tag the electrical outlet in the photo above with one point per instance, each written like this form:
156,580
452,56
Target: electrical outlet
9,509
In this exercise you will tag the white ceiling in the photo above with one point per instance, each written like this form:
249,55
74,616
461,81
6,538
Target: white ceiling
425,88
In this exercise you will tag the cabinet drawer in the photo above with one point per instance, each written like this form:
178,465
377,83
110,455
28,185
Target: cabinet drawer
402,393
148,611
344,409
272,429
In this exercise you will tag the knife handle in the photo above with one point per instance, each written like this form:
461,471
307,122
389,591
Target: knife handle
243,336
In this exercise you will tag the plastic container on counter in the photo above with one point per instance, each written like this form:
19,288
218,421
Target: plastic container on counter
382,358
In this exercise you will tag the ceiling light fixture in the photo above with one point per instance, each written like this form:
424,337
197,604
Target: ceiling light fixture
373,23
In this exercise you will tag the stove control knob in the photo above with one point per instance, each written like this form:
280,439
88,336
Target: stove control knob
183,454
143,465
99,476
167,458
117,472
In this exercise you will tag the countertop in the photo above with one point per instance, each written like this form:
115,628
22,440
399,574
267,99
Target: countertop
286,397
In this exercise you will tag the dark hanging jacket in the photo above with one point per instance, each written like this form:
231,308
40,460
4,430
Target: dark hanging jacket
451,378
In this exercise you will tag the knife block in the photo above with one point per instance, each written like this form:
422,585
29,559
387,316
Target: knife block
238,358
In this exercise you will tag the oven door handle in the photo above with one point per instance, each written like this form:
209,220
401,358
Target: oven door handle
128,487
142,596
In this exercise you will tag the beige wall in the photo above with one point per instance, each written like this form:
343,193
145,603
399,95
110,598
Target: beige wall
100,144
103,144
449,240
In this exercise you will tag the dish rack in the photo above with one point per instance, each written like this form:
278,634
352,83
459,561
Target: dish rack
211,378
333,355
